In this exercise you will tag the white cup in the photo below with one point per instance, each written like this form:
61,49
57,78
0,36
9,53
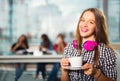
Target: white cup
37,53
75,61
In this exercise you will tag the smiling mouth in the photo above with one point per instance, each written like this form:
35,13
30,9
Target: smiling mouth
84,29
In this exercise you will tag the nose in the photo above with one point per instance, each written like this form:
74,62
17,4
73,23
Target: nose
85,24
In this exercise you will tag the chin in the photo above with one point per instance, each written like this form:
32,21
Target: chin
84,36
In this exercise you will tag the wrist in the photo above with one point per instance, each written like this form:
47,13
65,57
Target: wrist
64,71
94,71
98,74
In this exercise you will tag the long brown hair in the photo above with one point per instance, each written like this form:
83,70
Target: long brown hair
62,37
100,31
46,41
25,41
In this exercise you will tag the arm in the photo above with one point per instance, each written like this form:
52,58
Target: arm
64,63
14,47
64,75
100,77
24,46
97,74
64,72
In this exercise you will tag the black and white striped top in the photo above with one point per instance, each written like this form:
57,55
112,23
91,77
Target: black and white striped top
107,62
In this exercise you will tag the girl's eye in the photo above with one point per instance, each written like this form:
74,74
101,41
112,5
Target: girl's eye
82,20
91,22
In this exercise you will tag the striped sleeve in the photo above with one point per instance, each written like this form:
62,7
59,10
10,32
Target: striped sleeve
109,65
67,51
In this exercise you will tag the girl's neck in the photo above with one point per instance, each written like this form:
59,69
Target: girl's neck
92,38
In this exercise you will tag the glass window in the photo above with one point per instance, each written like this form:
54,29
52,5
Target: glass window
35,17
114,20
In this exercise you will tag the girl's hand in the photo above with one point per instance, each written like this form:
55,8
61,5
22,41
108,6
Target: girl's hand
89,69
64,63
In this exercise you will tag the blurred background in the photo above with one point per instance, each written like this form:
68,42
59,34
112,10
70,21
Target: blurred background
35,17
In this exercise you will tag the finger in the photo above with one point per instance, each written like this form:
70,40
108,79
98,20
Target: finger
64,62
88,72
86,66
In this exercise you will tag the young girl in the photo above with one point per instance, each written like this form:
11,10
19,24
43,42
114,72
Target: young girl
93,46
58,47
60,44
45,45
21,44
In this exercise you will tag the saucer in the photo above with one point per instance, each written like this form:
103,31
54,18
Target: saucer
73,68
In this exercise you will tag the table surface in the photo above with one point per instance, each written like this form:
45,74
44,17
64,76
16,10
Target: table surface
47,58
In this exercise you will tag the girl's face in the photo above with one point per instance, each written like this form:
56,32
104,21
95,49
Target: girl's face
59,40
87,25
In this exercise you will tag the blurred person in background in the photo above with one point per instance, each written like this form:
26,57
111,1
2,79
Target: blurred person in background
59,46
45,46
20,46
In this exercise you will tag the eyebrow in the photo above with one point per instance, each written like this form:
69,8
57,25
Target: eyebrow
89,19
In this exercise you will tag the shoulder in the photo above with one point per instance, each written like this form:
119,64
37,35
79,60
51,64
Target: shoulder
13,45
105,48
106,51
65,43
70,51
69,46
55,45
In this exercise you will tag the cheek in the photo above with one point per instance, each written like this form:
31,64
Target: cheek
92,29
58,40
79,27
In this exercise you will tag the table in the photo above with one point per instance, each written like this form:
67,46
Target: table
4,60
30,58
